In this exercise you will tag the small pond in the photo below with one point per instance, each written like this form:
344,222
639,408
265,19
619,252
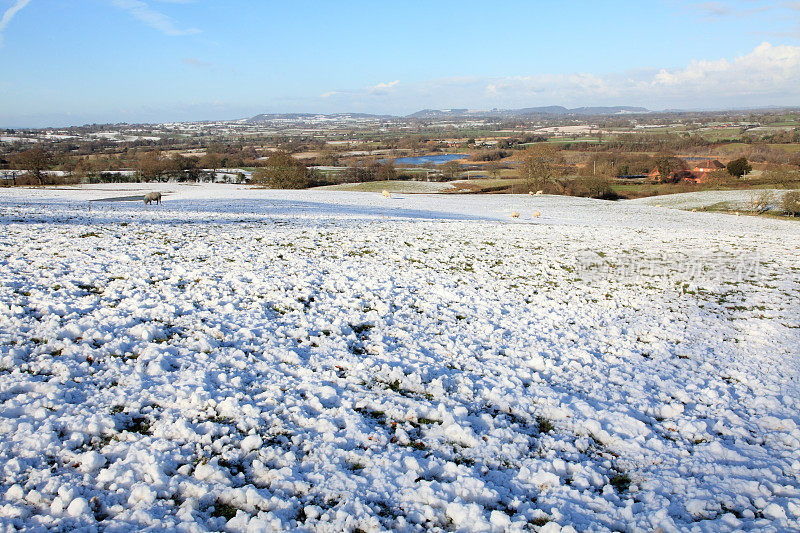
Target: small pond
437,159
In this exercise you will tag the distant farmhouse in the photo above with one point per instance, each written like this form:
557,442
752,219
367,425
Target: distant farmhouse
698,174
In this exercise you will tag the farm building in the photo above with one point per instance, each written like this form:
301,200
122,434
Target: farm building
697,174
710,165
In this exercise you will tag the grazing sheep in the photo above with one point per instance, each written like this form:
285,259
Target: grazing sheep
152,197
386,194
514,215
539,193
536,214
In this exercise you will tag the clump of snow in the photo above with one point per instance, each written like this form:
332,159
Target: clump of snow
251,359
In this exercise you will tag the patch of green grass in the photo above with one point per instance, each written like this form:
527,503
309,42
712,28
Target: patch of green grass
139,425
621,482
89,234
360,329
375,415
461,460
545,426
279,309
223,420
541,521
224,510
359,253
356,349
91,289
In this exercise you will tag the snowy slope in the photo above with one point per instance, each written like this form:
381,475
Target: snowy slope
243,358
731,199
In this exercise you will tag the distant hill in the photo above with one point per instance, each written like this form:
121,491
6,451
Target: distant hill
442,113
614,110
527,111
432,114
264,117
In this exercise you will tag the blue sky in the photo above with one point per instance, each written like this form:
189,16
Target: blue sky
73,62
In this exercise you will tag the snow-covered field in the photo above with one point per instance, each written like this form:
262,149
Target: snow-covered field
251,359
394,186
730,200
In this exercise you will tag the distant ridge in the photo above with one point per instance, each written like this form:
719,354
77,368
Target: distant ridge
430,114
297,116
554,110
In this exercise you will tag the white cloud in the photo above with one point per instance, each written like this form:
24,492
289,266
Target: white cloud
9,14
388,85
154,19
383,87
194,62
768,75
716,11
713,9
767,69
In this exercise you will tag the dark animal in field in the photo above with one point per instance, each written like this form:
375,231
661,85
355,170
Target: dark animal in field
152,197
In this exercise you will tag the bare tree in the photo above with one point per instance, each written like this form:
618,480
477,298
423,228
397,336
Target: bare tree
761,202
791,203
385,172
541,165
282,171
451,169
493,168
35,161
212,161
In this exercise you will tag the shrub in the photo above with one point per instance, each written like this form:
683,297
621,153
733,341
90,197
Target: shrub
490,155
790,203
717,177
782,176
761,202
596,187
739,167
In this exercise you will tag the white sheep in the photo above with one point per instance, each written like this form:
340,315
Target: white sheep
152,197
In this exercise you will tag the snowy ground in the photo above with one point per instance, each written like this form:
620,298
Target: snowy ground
394,186
243,358
721,200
